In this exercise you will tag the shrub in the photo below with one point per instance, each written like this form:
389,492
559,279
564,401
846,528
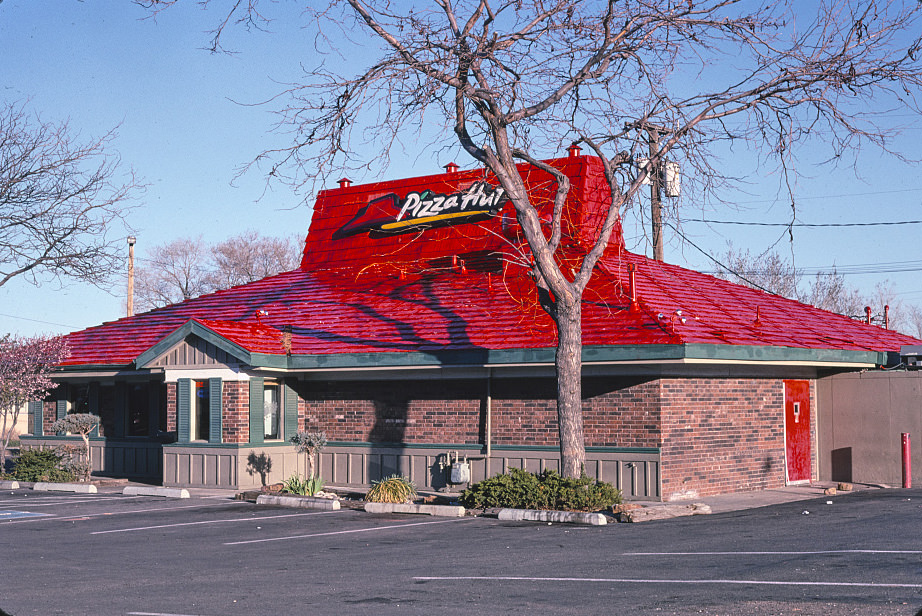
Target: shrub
42,465
546,490
393,489
296,484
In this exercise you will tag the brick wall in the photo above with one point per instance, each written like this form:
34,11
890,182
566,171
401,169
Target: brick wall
235,414
393,412
171,407
617,412
49,413
721,435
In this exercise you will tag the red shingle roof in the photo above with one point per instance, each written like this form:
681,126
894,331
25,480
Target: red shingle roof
447,289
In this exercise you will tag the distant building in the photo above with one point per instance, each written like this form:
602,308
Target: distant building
411,334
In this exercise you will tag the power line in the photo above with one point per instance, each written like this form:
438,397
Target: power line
747,223
13,316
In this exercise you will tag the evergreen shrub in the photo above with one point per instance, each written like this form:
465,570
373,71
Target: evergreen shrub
547,490
42,465
393,489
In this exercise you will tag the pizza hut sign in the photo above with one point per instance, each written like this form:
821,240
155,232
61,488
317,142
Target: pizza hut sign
390,215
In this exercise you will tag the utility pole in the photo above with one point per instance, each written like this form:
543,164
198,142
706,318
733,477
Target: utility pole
656,206
131,241
656,179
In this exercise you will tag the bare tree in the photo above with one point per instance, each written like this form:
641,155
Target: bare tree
915,320
174,272
827,290
515,82
768,272
61,201
188,267
831,292
250,256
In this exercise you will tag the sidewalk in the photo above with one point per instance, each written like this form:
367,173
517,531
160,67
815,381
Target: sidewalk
740,501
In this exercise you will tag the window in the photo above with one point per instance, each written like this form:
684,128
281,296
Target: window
201,402
138,417
271,412
78,398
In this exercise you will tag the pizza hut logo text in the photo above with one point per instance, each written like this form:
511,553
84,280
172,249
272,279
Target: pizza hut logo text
389,215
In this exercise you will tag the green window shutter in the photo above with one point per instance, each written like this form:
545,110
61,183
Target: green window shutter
257,424
183,409
60,411
291,412
214,410
37,409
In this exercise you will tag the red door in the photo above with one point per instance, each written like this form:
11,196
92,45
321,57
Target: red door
797,430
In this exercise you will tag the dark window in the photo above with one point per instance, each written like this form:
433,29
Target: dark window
79,398
138,423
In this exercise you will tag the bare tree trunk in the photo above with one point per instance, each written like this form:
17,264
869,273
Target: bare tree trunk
86,459
5,440
569,389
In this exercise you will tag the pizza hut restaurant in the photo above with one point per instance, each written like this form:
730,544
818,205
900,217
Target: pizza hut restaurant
411,335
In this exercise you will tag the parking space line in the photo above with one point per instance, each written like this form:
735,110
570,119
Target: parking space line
54,501
156,614
103,514
505,578
202,522
773,553
345,532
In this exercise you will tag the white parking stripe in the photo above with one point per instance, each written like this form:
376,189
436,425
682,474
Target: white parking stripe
156,614
104,514
345,532
227,521
501,578
773,553
54,502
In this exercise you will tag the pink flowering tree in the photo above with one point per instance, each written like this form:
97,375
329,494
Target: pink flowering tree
25,368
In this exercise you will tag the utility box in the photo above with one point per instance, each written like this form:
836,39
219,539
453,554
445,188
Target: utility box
911,355
460,472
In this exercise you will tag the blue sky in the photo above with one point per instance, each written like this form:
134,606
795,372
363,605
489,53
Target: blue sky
185,126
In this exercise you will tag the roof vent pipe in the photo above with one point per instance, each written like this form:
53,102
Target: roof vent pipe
867,315
574,150
451,168
887,317
632,268
345,183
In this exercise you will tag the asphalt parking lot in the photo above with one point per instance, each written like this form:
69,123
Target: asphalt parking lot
207,555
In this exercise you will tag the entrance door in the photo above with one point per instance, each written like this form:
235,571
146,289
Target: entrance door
797,430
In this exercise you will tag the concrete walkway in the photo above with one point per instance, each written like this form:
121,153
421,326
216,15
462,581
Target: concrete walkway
722,503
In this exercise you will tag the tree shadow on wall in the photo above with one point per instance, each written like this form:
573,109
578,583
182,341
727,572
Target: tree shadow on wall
260,464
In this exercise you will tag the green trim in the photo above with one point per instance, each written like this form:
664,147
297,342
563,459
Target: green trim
257,409
290,405
487,357
215,410
591,355
183,410
37,408
480,447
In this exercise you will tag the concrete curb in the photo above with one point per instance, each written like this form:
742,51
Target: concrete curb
566,517
153,491
662,512
82,488
301,502
9,485
450,511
